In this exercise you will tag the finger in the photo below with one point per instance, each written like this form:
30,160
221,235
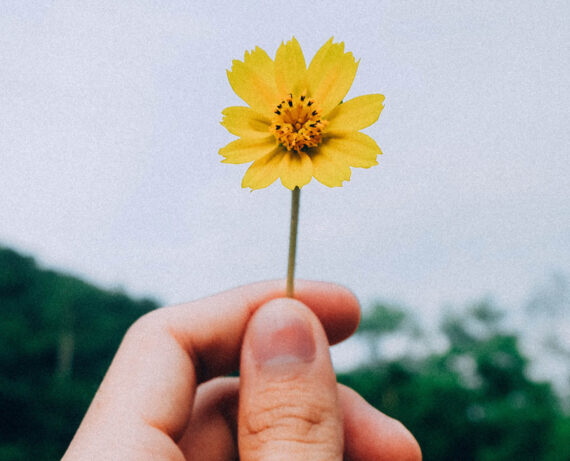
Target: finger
370,434
288,406
146,397
212,329
211,432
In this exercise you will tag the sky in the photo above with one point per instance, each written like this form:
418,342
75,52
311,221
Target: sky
109,139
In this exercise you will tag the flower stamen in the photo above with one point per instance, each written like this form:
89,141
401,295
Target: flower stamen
297,124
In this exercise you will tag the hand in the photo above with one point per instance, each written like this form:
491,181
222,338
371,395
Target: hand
159,400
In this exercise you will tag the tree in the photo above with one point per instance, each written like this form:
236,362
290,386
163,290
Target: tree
474,401
58,335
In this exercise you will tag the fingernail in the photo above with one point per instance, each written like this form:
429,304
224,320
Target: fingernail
280,333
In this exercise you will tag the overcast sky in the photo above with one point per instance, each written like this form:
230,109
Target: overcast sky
109,138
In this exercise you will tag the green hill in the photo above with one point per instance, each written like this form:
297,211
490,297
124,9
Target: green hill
58,335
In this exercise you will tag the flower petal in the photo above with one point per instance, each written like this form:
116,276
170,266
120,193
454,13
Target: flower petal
244,122
356,114
330,75
316,63
354,149
290,68
264,171
329,172
260,60
253,80
296,169
245,150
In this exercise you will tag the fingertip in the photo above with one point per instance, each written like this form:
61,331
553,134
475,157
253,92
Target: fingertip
370,434
336,306
352,305
282,330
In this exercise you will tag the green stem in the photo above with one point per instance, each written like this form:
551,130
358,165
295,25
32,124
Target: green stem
295,198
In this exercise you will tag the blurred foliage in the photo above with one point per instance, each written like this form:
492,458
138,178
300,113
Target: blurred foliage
470,399
57,338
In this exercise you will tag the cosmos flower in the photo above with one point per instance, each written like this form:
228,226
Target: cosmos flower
297,126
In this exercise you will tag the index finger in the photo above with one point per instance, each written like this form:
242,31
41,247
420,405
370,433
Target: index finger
214,326
150,386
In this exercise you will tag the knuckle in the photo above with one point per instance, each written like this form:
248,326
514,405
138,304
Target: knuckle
303,421
146,328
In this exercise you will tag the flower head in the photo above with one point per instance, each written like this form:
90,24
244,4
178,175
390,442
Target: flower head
297,125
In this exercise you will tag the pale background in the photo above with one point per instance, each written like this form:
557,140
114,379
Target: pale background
109,133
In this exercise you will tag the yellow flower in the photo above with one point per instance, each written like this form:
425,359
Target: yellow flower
296,125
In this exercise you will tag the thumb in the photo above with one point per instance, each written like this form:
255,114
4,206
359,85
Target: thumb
288,408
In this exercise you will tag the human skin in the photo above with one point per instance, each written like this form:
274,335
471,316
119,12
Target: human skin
164,397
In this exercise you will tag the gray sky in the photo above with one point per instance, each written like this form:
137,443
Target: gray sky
109,133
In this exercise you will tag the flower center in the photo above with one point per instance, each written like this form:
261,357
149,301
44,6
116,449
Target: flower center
297,123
